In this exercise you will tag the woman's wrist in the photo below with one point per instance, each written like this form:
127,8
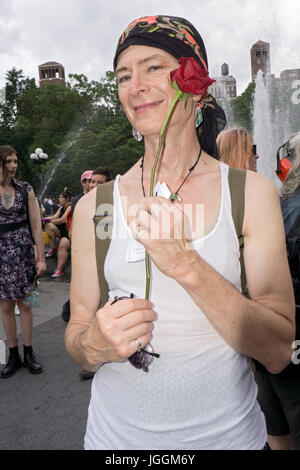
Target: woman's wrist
88,352
186,272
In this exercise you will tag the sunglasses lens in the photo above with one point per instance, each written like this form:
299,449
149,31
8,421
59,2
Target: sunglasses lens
141,359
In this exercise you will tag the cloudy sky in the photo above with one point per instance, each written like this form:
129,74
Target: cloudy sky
82,34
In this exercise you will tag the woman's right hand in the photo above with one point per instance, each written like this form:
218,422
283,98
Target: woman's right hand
113,334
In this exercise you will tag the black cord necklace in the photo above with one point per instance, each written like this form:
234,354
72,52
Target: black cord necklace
174,196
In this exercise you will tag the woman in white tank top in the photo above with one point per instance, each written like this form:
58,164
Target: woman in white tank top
200,392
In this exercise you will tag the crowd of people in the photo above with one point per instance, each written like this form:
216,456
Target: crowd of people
215,330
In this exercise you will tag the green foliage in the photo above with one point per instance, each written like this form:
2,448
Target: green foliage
80,126
242,108
15,85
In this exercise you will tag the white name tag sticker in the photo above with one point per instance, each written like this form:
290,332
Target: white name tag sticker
135,252
161,189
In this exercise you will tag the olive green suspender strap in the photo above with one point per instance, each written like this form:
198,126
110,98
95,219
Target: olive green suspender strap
236,181
103,221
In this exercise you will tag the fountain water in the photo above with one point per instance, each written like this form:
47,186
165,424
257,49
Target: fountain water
274,121
263,131
72,137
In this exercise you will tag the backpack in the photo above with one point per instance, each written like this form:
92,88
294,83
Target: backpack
293,254
104,219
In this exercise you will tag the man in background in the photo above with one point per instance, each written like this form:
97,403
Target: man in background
100,175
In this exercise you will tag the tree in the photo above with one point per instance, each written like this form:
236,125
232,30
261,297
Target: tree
80,126
242,108
15,86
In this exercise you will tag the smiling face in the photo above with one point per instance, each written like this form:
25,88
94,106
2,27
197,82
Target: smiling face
143,75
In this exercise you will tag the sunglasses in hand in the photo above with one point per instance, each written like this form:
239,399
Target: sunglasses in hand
143,357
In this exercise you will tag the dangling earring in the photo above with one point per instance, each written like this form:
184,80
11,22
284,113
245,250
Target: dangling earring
198,116
137,135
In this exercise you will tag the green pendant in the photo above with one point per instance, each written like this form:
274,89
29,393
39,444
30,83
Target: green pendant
175,197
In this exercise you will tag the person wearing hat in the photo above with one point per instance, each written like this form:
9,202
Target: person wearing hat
279,394
191,329
85,180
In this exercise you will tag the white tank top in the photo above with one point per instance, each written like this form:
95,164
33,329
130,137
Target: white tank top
200,393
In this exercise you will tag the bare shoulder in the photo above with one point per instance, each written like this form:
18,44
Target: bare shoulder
262,203
86,206
259,185
31,194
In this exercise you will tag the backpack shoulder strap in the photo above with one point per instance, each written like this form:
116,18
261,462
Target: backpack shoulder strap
103,223
236,181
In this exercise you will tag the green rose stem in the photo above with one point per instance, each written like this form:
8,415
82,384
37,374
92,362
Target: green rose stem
178,95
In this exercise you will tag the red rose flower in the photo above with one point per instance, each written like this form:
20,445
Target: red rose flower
190,77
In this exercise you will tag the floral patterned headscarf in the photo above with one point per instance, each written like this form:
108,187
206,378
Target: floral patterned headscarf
178,37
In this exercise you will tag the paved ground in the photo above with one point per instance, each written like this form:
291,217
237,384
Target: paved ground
49,410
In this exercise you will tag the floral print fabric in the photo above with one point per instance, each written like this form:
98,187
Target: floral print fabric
17,263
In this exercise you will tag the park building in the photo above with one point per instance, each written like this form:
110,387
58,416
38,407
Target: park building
51,73
260,58
225,85
290,75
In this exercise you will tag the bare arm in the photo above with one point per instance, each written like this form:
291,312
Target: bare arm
55,216
61,220
263,327
36,228
95,336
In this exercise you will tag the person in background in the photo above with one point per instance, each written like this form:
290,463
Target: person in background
48,207
235,147
279,395
56,227
61,221
20,228
100,175
55,205
200,392
85,180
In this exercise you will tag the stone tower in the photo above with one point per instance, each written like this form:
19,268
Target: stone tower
51,72
224,70
260,58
